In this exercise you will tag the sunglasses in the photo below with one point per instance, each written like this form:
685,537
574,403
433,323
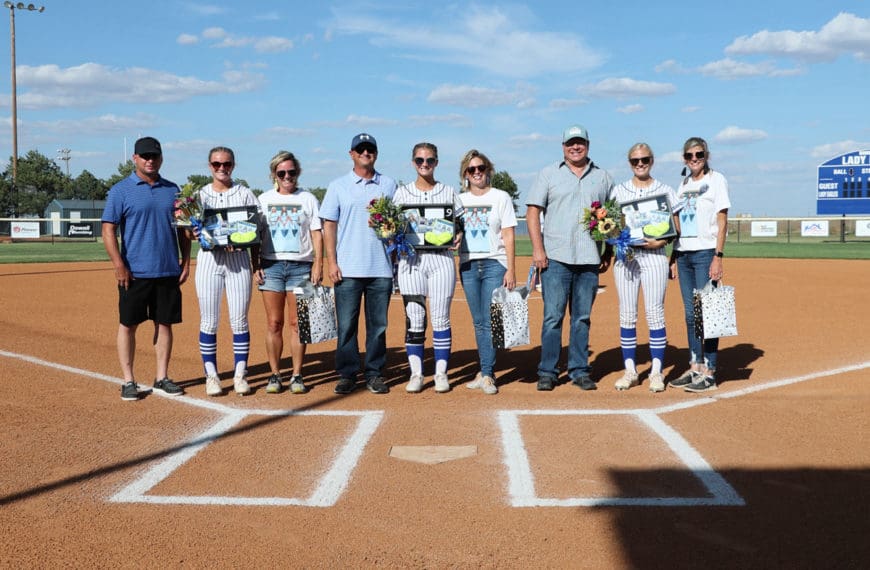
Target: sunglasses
429,161
640,160
363,149
481,168
698,155
149,156
226,165
286,174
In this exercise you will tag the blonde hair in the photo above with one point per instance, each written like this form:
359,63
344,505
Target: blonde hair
280,157
698,141
639,146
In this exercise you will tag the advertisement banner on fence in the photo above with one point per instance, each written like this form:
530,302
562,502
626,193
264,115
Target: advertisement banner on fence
24,230
80,230
862,228
763,229
814,228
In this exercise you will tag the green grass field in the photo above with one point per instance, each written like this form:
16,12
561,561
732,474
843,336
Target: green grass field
46,252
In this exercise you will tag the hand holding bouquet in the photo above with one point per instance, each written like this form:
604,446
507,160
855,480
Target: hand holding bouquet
603,221
188,208
388,221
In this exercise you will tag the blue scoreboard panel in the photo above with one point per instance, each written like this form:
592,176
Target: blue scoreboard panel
844,185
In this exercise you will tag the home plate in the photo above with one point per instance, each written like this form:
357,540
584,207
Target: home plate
432,454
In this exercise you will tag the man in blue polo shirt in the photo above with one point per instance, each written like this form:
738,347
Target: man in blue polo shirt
147,269
566,255
358,266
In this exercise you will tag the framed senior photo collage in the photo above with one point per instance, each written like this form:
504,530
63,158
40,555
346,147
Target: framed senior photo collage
649,217
429,226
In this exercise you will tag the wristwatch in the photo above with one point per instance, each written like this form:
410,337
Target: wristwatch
720,254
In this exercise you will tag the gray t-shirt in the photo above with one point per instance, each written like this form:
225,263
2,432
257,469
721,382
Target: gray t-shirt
563,196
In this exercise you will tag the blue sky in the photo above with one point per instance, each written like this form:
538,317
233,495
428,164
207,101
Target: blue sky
776,87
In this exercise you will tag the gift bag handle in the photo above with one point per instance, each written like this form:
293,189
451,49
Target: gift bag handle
532,278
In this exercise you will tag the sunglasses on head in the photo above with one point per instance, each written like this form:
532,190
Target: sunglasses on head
217,165
481,168
149,156
640,160
429,161
286,174
699,155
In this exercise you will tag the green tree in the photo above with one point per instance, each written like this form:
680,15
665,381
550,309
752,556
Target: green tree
125,169
40,181
318,192
198,180
86,187
503,181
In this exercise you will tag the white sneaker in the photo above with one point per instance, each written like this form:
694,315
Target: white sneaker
628,380
656,382
442,384
213,386
415,384
477,383
240,384
489,386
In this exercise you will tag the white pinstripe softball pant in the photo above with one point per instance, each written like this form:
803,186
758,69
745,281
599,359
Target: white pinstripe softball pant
219,271
433,275
648,269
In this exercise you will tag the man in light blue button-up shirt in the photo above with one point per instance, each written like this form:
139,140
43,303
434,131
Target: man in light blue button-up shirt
566,255
358,265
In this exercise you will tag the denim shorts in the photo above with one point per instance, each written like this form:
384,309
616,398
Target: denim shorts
283,276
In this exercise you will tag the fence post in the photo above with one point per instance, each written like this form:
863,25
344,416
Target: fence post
843,229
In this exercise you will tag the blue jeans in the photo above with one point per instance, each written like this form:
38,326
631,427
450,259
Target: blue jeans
693,268
479,278
349,294
562,284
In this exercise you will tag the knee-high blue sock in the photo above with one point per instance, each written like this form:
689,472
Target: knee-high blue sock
208,351
658,340
241,346
442,341
415,357
628,342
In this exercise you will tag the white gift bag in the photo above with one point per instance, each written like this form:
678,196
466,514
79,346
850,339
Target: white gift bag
715,311
315,313
509,314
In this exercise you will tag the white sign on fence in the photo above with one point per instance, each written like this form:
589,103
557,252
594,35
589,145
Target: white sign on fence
814,228
24,230
764,229
862,228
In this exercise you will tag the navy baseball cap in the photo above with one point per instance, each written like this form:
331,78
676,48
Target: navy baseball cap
147,145
363,138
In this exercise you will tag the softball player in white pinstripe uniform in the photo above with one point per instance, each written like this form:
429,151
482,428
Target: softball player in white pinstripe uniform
431,274
648,269
222,270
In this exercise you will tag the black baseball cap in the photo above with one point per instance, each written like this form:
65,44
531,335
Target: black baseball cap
147,145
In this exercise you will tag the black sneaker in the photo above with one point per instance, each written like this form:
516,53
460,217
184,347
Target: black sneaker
376,385
297,385
546,383
345,386
584,383
168,387
689,377
702,384
274,385
129,392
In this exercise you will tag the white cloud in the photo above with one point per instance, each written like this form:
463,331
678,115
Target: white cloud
475,97
567,103
670,66
691,109
290,132
530,139
737,135
630,109
186,39
844,34
101,125
214,33
364,121
484,37
205,9
830,150
452,119
732,69
273,44
90,84
623,87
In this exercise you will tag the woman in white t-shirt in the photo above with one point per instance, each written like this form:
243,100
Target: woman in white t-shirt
292,251
647,268
431,273
486,255
224,270
698,254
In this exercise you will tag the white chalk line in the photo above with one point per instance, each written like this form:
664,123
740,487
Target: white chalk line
327,492
521,481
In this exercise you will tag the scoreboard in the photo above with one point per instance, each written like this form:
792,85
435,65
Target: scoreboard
844,184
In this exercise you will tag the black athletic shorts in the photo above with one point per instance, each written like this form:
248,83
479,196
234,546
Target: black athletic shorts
157,300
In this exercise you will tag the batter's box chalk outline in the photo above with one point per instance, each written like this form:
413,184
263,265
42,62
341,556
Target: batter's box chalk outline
328,490
521,483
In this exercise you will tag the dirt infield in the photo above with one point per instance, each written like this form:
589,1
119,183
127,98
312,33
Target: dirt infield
770,471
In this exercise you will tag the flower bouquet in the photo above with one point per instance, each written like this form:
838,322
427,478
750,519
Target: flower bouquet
388,222
605,223
188,214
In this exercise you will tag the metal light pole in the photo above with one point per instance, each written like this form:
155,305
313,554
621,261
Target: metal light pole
64,155
12,7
